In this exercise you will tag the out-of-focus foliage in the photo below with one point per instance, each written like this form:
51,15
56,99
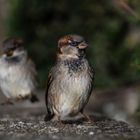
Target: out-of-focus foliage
111,29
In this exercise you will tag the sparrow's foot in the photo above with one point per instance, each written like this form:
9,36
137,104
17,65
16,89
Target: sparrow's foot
20,98
34,98
87,118
7,102
61,123
56,119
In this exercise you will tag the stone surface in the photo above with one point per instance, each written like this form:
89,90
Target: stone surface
33,125
26,121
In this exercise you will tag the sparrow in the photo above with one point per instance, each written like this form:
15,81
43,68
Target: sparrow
17,72
70,80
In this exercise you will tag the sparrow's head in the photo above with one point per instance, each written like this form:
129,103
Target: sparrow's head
71,46
12,47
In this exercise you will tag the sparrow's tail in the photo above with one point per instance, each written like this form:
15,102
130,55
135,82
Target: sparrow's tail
34,98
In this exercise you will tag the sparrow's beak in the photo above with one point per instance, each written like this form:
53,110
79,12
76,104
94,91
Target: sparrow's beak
82,45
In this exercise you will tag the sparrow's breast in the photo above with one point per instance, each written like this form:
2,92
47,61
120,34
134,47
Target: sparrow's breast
72,91
15,81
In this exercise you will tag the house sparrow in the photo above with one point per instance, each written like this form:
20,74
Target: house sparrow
17,71
70,80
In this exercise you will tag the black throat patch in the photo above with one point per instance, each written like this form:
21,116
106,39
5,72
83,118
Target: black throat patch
75,65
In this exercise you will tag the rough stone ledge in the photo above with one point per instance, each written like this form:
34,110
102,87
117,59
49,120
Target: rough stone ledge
34,127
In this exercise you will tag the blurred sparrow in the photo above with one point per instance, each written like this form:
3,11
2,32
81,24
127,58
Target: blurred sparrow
70,80
17,71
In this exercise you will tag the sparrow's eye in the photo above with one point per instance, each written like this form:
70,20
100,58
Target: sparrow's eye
73,43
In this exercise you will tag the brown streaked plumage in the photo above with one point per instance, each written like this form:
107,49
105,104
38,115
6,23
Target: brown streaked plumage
70,80
64,40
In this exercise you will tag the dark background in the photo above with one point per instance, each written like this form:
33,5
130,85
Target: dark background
111,27
108,25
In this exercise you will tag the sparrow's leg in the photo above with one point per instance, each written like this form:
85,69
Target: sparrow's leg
34,98
54,119
87,117
7,102
20,98
61,123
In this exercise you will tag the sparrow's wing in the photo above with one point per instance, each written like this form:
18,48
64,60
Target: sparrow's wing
92,75
50,113
50,79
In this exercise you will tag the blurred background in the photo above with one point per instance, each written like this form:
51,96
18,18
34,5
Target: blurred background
112,29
